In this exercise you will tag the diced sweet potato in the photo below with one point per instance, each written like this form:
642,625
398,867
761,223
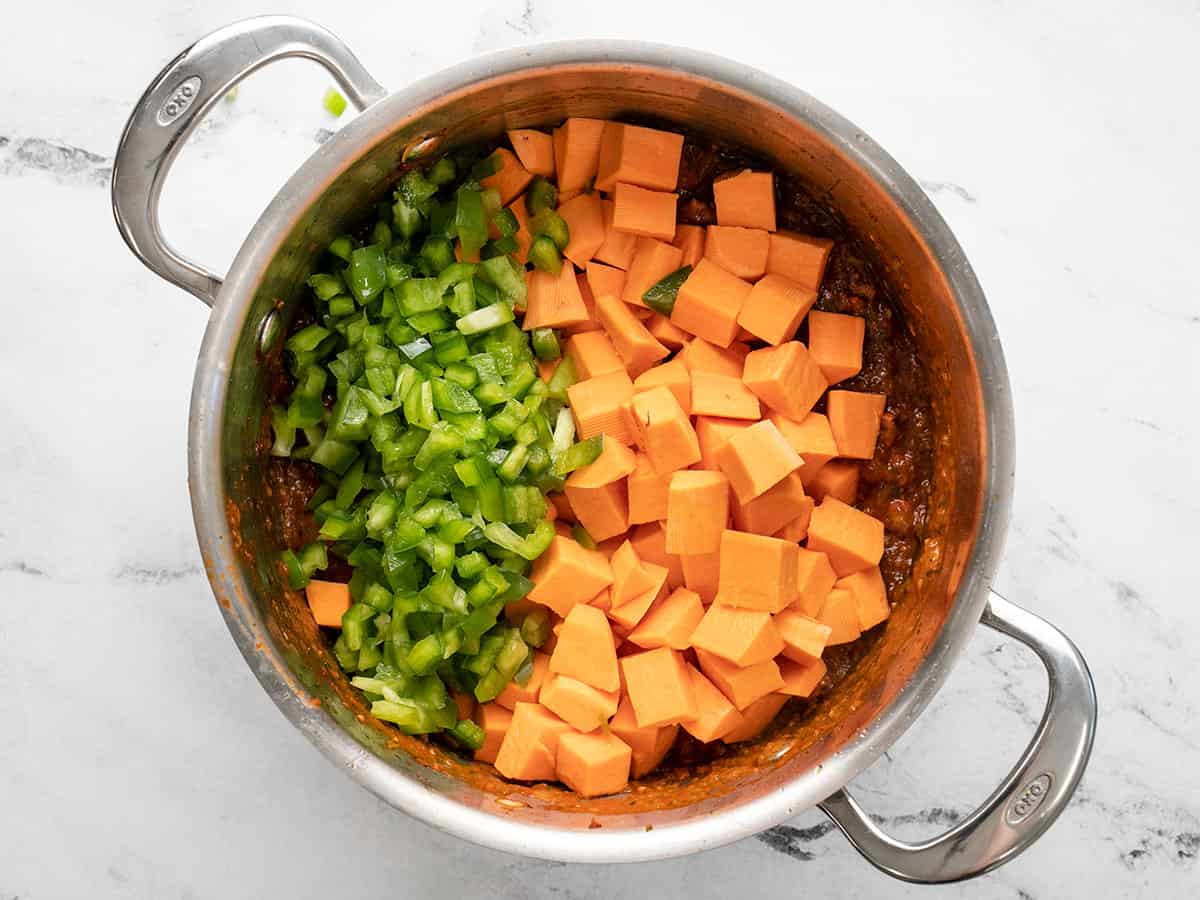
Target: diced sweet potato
697,510
672,375
785,378
647,493
716,716
870,596
599,406
838,479
577,153
585,649
535,150
523,236
553,300
593,764
650,541
740,251
701,572
602,509
602,601
774,308
512,178
658,687
530,744
742,685
643,212
708,303
712,433
690,240
666,332
627,616
568,574
618,247
798,257
835,341
815,579
756,459
854,419
632,154
851,539
528,692
801,679
773,508
701,356
593,354
616,461
652,261
797,529
840,613
745,637
464,703
757,572
812,438
746,199
756,717
604,279
328,601
631,579
723,396
663,430
671,622
494,720
585,227
649,745
578,704
804,638
634,343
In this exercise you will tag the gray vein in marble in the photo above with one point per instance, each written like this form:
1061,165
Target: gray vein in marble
789,840
949,187
22,567
155,575
523,25
66,163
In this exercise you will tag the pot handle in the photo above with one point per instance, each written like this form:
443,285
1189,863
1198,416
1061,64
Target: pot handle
178,99
1030,798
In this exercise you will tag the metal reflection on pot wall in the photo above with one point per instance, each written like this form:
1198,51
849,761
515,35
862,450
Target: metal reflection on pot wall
805,764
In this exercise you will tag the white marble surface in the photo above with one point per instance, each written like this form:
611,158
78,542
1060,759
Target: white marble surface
138,757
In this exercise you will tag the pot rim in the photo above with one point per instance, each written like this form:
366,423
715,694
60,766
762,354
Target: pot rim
233,594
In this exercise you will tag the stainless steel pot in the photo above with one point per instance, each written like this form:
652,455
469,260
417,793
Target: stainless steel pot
806,764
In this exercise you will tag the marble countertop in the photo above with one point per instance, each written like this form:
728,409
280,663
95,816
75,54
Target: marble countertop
141,759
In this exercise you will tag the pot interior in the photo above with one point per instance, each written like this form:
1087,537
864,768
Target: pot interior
798,742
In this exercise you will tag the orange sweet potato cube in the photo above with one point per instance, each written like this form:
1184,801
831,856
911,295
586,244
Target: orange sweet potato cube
649,745
604,279
742,685
599,406
643,212
648,491
585,649
870,596
652,261
553,301
690,239
628,615
701,572
658,687
746,199
494,720
797,529
708,303
593,764
851,539
840,613
528,692
597,492
835,341
774,308
757,572
579,705
585,227
663,430
511,179
740,251
756,459
633,341
667,333
785,378
328,601
854,419
801,679
756,717
697,510
568,574
773,508
701,356
535,150
672,375
811,437
723,396
632,154
593,354
631,579
523,236
530,744
745,637
838,479
804,638
798,257
650,541
814,580
716,716
576,152
712,433
671,622
618,247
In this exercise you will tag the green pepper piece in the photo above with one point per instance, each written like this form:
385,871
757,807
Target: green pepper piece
367,273
545,344
485,319
469,221
550,224
541,194
579,455
545,256
661,295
